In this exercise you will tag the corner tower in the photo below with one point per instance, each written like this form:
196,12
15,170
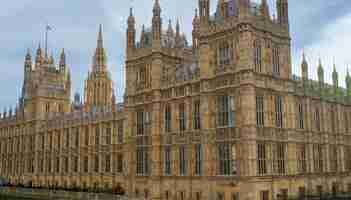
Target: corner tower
46,89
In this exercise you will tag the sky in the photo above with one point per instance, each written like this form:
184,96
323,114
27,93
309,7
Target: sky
318,27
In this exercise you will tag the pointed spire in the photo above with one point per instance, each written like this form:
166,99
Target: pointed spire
196,20
170,31
157,8
178,38
335,76
131,19
100,41
39,56
156,25
320,71
99,59
304,67
62,63
142,36
28,61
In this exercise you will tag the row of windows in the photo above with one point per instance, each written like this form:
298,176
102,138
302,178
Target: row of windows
59,165
275,156
258,58
182,114
301,115
69,138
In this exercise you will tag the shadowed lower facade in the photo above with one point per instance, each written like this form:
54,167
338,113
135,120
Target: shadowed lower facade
223,119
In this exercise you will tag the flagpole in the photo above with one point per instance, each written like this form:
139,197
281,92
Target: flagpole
46,41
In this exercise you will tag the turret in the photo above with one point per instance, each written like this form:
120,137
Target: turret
131,32
62,63
5,113
320,73
264,9
335,79
142,36
156,25
39,60
114,109
28,62
348,83
170,31
196,30
178,38
204,6
283,12
304,68
51,60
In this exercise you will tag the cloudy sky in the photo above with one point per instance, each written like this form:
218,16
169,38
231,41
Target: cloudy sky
322,28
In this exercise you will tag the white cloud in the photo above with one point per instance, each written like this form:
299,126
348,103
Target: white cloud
334,45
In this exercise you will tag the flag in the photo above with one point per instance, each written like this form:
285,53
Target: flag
48,28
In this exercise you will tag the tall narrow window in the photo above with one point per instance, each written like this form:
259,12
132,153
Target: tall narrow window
259,111
67,137
107,163
65,164
97,135
182,117
317,120
75,164
196,115
140,123
57,165
198,159
142,161
76,137
301,158
279,111
257,56
300,116
280,158
264,195
86,164
262,158
318,158
108,135
224,56
275,59
225,111
168,166
333,155
96,164
119,163
347,156
332,119
346,122
86,136
226,159
120,132
182,160
168,118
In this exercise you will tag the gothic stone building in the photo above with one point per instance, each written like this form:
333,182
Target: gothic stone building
223,119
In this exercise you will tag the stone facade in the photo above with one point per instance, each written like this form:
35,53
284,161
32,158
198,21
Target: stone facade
222,119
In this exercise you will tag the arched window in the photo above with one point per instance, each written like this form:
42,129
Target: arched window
275,59
257,56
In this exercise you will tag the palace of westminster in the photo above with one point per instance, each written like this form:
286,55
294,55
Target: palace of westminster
221,119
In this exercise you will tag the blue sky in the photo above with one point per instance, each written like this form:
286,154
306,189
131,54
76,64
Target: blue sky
320,27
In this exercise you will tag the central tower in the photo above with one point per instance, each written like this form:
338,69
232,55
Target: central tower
98,86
